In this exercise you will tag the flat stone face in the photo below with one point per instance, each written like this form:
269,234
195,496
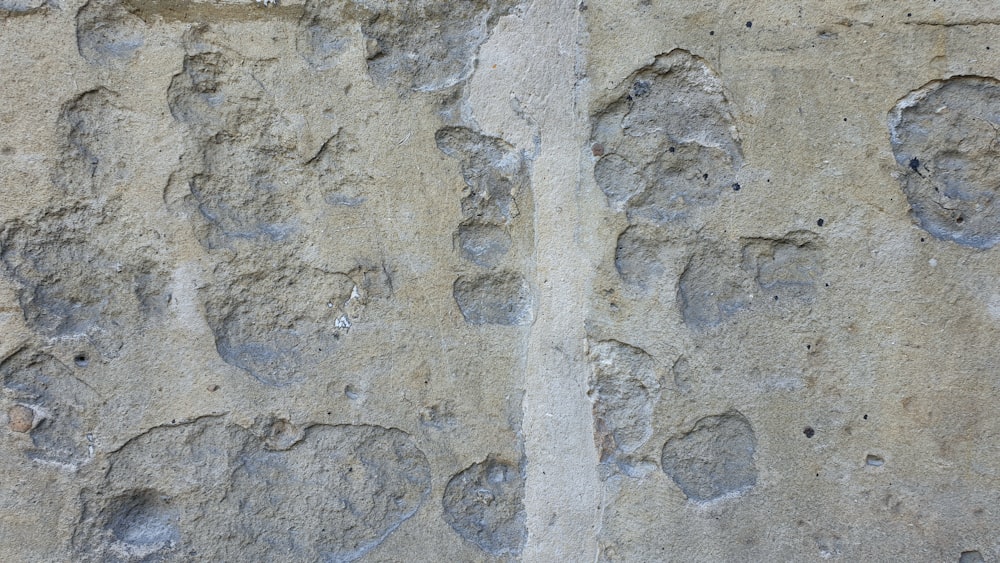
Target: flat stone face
224,482
625,388
484,503
499,280
714,459
944,138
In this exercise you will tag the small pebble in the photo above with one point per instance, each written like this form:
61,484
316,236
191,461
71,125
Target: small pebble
20,418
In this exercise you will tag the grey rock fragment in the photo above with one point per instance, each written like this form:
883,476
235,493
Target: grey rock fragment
711,289
483,244
637,257
107,34
323,33
484,504
218,491
713,459
502,298
788,267
720,280
61,427
944,138
667,146
22,7
435,55
275,339
97,140
624,388
495,173
72,284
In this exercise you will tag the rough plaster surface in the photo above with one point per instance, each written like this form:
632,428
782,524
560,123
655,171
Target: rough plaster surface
494,280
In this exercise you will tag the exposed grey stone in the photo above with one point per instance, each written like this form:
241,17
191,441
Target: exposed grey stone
435,55
713,459
275,339
711,289
107,34
72,284
484,504
944,138
668,145
221,493
495,173
483,244
624,388
501,298
97,142
62,406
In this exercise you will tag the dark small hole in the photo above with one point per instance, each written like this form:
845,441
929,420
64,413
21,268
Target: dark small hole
749,25
865,417
704,176
914,164
672,149
809,432
713,33
960,219
775,297
820,222
81,360
809,347
736,187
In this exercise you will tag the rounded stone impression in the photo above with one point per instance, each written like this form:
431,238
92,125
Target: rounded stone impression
946,140
271,493
484,504
714,459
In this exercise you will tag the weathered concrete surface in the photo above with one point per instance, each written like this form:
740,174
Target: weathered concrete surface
337,280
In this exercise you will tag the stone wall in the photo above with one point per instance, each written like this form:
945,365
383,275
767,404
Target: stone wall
489,280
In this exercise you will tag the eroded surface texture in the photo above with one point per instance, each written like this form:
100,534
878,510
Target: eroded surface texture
625,389
944,138
499,280
714,459
484,503
331,493
54,407
668,145
276,341
73,285
436,55
107,34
